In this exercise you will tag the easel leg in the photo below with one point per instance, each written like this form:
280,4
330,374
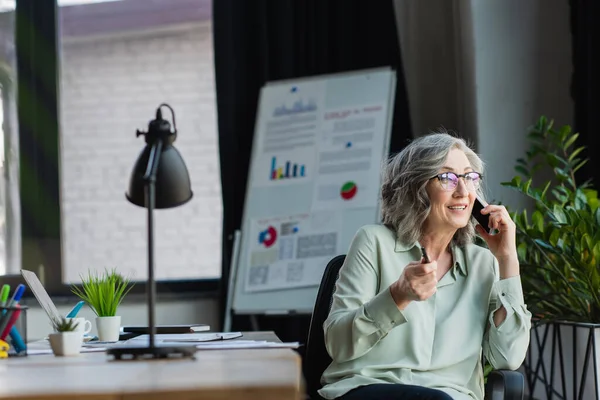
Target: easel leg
254,323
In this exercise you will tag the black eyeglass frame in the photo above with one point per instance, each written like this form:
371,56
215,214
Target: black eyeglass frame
439,177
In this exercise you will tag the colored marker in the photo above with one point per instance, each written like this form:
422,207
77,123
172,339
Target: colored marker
5,314
10,322
17,295
6,318
17,340
4,295
73,313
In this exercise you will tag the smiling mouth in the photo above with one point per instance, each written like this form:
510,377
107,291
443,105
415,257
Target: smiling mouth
458,208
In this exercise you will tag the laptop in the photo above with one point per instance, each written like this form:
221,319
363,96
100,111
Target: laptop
48,305
41,295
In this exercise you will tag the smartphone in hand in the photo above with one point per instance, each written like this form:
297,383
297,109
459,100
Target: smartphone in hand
483,220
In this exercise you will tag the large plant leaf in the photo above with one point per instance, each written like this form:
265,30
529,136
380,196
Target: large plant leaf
559,246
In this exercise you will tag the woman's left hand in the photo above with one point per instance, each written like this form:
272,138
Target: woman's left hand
502,244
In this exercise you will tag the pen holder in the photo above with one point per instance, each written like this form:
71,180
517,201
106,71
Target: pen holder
13,330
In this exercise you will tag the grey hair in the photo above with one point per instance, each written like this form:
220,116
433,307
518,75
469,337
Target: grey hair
405,203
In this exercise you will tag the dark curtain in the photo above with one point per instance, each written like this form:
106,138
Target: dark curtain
585,29
263,40
37,113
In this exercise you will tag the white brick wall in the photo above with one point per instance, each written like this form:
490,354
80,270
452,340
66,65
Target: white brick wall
111,86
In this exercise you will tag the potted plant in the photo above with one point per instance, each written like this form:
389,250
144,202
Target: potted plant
66,339
559,253
104,292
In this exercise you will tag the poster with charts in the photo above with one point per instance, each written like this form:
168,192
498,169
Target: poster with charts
289,251
317,149
349,157
290,124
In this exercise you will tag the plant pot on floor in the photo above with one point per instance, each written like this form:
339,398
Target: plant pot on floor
109,328
66,343
563,360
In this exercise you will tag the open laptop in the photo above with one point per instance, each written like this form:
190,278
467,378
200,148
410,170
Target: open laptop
41,295
47,304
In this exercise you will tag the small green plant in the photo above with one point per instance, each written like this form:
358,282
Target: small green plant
559,242
65,325
103,292
487,368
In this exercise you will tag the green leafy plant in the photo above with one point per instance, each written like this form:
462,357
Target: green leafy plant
559,242
103,292
487,368
65,325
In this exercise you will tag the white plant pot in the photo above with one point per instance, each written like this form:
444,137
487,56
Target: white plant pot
66,343
109,328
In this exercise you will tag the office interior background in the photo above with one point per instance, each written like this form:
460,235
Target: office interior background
74,93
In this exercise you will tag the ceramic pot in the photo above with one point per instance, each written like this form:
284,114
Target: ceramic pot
66,343
108,328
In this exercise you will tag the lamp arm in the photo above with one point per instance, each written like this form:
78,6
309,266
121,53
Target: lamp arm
153,158
150,194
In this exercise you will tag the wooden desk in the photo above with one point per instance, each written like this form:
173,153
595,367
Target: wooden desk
269,374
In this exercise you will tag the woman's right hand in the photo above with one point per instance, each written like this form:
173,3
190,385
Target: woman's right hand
417,283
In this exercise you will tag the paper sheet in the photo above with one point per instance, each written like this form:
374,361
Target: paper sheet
248,345
290,121
290,251
348,165
39,351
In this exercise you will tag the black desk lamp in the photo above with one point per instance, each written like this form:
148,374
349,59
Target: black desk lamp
159,179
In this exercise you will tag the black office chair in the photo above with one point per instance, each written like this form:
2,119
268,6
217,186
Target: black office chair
501,384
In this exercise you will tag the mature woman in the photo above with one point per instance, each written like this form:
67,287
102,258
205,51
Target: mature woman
404,328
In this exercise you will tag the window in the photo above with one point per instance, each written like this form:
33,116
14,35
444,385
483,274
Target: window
10,234
119,61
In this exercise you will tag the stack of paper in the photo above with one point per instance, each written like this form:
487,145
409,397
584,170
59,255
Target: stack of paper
207,341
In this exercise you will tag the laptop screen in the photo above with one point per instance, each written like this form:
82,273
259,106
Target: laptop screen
41,295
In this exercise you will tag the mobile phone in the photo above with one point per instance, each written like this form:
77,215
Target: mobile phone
483,220
425,256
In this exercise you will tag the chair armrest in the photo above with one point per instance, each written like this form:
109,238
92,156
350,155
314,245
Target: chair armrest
504,385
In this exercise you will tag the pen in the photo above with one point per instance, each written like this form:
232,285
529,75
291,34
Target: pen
425,256
4,295
73,313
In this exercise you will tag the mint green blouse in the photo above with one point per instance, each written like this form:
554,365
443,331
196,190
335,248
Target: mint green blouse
436,343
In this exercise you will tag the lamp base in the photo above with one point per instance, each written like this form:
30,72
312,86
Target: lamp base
156,352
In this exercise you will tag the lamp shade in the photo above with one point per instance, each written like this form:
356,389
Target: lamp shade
173,187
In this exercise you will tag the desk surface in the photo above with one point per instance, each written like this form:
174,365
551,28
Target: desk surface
214,374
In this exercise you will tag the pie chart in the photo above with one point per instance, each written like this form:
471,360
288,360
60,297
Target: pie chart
268,237
348,190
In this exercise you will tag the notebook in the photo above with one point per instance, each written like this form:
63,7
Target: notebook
166,329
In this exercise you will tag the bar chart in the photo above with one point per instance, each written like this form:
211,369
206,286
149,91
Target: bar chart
288,170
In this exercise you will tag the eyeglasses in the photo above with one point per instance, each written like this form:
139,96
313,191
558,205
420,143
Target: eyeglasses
449,180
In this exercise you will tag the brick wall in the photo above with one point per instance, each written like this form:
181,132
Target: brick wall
111,86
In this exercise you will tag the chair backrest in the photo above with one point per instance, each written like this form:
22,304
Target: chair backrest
316,358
